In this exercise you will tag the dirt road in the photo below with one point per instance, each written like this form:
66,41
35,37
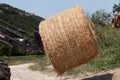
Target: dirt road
22,72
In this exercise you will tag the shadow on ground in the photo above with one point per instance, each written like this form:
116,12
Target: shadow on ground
100,77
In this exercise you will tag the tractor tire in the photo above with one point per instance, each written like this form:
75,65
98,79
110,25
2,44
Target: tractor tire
4,71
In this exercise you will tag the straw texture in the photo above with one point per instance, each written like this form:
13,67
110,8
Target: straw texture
69,39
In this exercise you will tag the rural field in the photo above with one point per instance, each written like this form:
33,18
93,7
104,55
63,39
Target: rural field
103,66
25,56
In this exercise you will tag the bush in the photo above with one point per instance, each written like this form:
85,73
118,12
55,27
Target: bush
8,51
101,17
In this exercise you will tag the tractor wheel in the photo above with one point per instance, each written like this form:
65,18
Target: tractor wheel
4,71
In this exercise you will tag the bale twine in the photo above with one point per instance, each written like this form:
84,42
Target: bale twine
69,39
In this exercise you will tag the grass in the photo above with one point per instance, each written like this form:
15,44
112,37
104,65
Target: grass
15,60
40,61
41,64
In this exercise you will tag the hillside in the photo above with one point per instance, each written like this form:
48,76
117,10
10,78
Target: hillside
19,18
23,20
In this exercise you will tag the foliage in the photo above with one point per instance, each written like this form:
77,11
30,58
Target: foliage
8,51
41,64
4,50
116,8
109,48
15,60
101,17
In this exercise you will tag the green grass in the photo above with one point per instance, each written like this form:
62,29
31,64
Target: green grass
40,61
15,60
41,64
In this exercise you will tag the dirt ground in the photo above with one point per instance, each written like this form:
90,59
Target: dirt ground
22,72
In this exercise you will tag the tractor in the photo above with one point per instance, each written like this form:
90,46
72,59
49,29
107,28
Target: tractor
116,21
14,37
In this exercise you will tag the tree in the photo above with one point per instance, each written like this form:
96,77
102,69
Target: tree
101,17
116,8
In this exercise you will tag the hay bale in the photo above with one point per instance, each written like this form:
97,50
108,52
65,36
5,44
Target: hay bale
69,39
116,76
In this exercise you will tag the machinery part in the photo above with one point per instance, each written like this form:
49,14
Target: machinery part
113,23
14,36
38,41
116,21
4,71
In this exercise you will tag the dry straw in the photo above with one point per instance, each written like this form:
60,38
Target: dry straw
69,39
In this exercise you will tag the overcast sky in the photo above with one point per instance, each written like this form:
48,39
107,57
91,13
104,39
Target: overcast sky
47,8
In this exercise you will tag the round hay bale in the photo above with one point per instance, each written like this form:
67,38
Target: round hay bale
69,39
116,76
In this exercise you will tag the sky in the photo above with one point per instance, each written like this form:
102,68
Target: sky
48,8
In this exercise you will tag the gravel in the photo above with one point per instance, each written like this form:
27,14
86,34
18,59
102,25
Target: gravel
22,72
